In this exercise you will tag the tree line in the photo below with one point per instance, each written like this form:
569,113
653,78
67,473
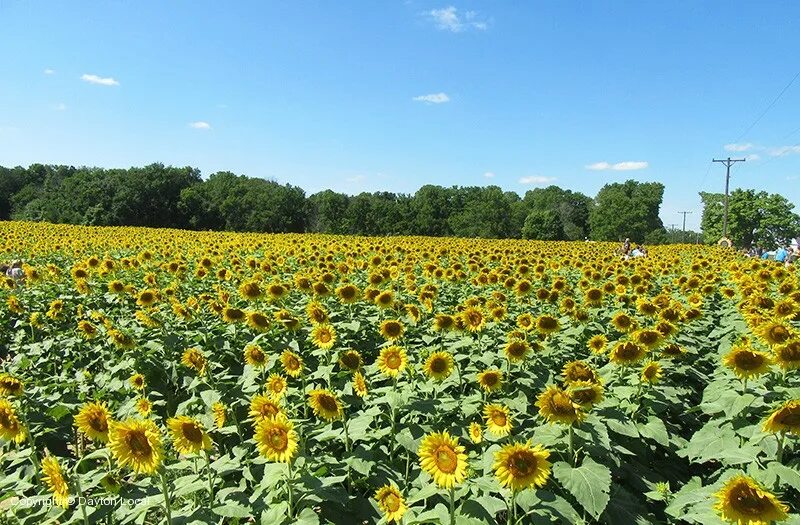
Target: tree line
175,197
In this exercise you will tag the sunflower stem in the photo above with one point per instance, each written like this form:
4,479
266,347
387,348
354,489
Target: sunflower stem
289,488
572,445
512,508
81,500
347,445
779,456
744,387
210,479
34,453
452,506
165,491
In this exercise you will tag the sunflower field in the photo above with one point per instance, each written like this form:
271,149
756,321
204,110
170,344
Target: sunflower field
163,376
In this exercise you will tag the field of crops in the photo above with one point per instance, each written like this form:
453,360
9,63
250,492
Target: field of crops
159,376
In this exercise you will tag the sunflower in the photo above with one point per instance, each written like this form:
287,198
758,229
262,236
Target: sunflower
585,393
250,290
93,421
785,419
258,321
626,353
117,287
525,321
136,443
384,299
325,404
391,502
443,458
347,293
218,412
392,360
516,350
350,360
316,313
276,291
438,365
490,380
651,373
622,322
292,363
53,477
391,329
556,406
287,320
598,343
443,323
578,371
137,381
747,362
547,324
10,385
193,358
276,439
255,356
743,501
498,420
774,333
359,384
233,315
518,466
276,385
323,336
144,406
263,407
473,319
121,339
188,435
648,338
11,428
673,350
787,356
87,329
147,298
475,432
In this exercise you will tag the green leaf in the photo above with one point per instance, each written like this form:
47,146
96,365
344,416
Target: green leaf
589,484
231,509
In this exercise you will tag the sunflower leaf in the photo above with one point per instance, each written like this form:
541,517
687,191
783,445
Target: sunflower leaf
589,484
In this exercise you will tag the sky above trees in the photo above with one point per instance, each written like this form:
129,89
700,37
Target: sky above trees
368,96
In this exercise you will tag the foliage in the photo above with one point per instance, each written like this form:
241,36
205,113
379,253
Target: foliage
627,209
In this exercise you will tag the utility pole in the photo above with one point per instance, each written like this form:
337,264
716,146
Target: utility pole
672,229
728,163
683,235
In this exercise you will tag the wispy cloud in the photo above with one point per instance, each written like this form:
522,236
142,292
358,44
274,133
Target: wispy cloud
536,180
791,177
98,80
738,147
60,107
49,71
433,98
449,19
489,175
628,165
200,125
356,178
752,157
780,151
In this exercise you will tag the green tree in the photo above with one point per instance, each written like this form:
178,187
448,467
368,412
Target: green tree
482,212
628,209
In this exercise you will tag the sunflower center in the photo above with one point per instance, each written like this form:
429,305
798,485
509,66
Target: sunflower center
561,404
391,502
747,360
393,361
278,439
325,336
192,432
747,501
490,379
779,334
446,459
790,417
328,403
98,423
438,365
499,418
522,464
139,444
474,318
516,349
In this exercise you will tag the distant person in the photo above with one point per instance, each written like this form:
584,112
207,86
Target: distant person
765,255
781,253
15,271
626,247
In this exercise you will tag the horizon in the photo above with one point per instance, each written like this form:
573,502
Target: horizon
360,97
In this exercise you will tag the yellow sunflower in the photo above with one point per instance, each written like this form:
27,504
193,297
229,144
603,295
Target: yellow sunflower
276,386
490,380
597,344
137,381
518,466
359,384
233,315
136,444
651,373
578,371
648,338
392,360
438,365
747,362
323,336
516,350
258,321
556,406
585,393
195,359
10,385
443,458
391,329
350,360
473,319
11,428
785,419
53,477
263,407
443,323
255,356
292,363
391,503
626,353
498,420
250,290
144,406
276,439
93,421
743,501
218,411
547,324
347,293
787,356
188,435
325,404
775,333
622,322
475,432
87,329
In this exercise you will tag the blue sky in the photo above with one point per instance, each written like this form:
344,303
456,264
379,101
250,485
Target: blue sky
391,95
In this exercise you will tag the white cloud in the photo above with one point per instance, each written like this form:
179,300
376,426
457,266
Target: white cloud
433,98
448,19
791,177
536,180
200,125
784,150
752,157
489,175
628,165
60,107
49,71
100,81
738,147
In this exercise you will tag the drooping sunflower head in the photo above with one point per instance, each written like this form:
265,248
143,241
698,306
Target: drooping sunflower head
391,503
53,476
121,339
136,444
518,466
673,350
255,356
292,363
147,298
747,362
547,324
648,338
384,299
347,293
359,384
443,322
233,315
195,359
276,439
743,501
622,322
325,404
785,419
258,321
578,371
11,428
498,419
443,458
392,360
250,290
391,329
556,406
323,336
350,360
93,421
787,356
188,435
490,380
775,333
316,313
585,393
438,365
475,432
87,329
651,373
10,385
626,353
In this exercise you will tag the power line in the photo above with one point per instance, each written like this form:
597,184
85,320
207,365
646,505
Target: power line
751,126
